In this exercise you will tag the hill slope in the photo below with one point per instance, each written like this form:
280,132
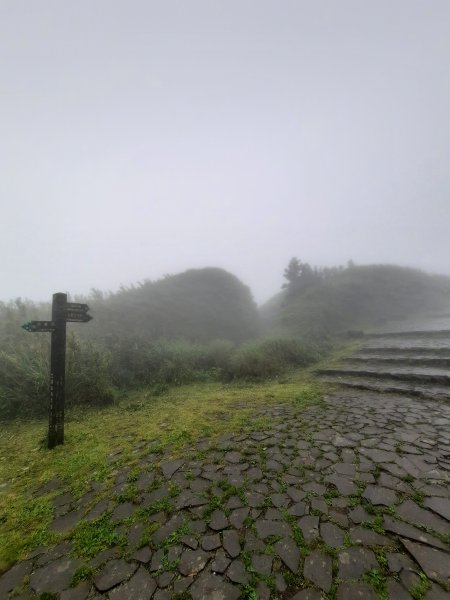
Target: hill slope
198,305
356,297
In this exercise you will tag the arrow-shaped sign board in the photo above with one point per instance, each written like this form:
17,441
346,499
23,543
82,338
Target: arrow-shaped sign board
77,306
39,326
77,316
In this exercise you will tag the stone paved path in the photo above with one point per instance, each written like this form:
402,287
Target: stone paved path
336,502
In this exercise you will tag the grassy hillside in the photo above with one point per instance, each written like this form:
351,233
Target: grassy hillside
198,305
354,298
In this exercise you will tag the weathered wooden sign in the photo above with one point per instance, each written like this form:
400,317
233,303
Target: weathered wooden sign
62,312
39,326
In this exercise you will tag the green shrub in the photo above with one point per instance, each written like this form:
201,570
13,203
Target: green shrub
24,376
88,373
270,357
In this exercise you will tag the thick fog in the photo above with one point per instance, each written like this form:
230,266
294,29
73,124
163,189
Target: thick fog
144,138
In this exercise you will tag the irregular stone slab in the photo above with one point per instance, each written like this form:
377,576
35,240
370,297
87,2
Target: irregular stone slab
355,561
379,495
289,553
295,495
67,522
273,465
396,591
163,532
123,511
254,500
266,528
77,593
356,591
262,563
98,510
231,543
310,528
408,531
211,542
436,593
318,569
140,587
409,511
114,572
308,594
332,535
262,591
397,562
342,442
169,468
345,486
192,562
218,520
316,488
360,515
342,468
320,505
55,576
143,555
189,540
298,509
441,506
238,516
360,535
213,587
162,595
435,564
279,500
394,483
233,457
237,573
220,562
14,577
379,456
234,502
254,474
182,584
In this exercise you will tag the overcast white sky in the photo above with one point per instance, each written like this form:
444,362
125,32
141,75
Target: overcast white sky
144,138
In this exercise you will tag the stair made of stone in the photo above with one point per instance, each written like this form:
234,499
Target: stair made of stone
415,362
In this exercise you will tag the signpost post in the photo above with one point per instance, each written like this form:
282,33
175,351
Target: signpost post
62,312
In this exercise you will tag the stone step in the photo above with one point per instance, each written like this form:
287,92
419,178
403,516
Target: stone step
434,392
402,373
419,350
400,360
429,333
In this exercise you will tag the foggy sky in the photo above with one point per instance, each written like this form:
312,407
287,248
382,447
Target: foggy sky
144,138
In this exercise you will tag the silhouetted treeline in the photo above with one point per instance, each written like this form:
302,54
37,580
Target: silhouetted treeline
326,302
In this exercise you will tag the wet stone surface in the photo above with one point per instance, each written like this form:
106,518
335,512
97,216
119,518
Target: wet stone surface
314,505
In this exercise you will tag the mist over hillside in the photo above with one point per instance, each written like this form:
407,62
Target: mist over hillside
355,297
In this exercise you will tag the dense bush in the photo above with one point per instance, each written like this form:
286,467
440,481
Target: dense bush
92,370
24,376
270,357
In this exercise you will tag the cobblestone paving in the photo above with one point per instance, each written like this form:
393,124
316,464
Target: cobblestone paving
345,500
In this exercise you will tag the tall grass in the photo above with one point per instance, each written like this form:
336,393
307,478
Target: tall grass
94,372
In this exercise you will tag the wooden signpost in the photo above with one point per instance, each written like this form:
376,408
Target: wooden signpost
62,312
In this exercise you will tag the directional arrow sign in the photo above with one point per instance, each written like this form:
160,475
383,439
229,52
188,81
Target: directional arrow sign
77,316
77,306
39,326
